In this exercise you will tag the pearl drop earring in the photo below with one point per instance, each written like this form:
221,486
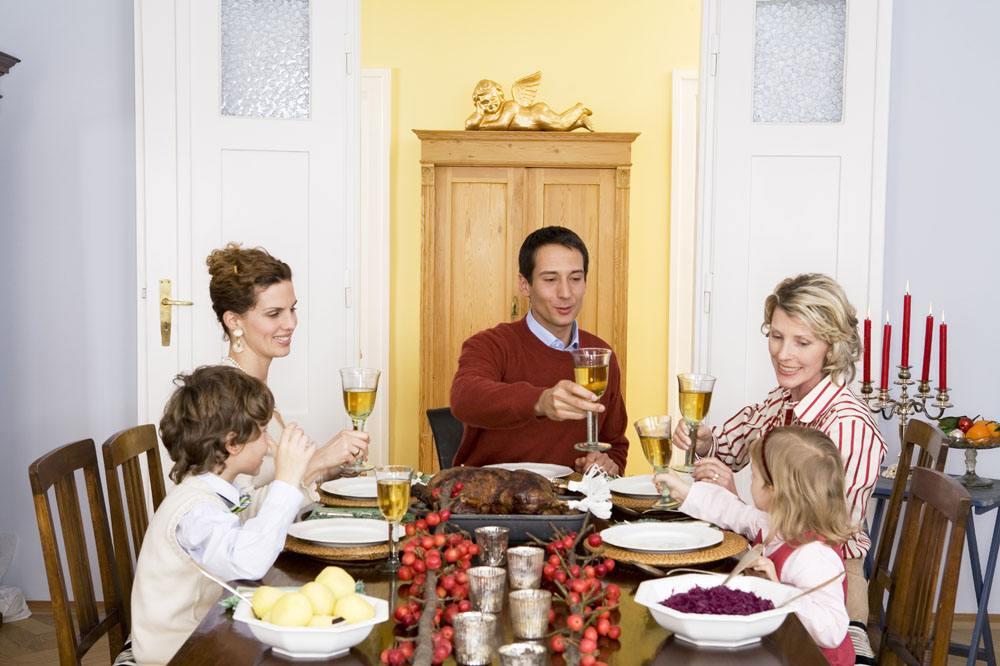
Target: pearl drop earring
238,340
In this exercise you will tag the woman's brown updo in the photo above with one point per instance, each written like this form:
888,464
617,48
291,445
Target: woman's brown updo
238,275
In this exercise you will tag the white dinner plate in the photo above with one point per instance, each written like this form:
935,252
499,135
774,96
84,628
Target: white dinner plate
662,537
355,487
342,531
634,486
548,470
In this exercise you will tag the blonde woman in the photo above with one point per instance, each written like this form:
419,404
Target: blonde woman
812,337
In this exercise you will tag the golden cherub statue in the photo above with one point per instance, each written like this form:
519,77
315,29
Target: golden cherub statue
522,113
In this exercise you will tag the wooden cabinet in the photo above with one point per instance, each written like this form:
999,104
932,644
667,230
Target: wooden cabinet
482,193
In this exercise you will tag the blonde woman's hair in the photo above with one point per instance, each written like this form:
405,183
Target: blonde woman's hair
822,304
806,473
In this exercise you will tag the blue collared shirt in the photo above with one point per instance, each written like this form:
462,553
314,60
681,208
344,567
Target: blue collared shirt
550,340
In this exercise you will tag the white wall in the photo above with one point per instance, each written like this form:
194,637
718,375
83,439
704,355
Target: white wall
943,207
67,244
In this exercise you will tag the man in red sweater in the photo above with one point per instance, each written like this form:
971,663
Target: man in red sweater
513,389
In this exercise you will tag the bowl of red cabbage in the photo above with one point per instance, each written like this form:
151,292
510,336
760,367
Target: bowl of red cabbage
699,610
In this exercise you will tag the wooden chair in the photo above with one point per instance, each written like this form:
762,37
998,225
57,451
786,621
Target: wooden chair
928,441
58,468
447,431
934,526
124,450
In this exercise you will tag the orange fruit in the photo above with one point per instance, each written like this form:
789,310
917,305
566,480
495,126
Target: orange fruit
983,430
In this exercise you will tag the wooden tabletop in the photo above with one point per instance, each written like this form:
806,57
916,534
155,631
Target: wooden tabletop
220,640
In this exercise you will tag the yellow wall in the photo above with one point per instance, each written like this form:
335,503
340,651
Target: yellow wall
614,56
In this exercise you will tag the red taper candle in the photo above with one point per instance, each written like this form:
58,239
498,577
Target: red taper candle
925,373
905,358
868,348
943,355
886,340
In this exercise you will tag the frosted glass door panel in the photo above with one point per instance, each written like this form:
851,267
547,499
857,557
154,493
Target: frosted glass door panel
799,61
265,58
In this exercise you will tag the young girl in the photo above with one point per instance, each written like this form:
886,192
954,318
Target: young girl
214,429
800,515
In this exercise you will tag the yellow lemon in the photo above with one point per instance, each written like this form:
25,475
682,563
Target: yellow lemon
264,598
291,610
337,580
354,609
321,621
320,597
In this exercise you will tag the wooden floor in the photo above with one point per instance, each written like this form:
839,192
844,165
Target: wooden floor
32,642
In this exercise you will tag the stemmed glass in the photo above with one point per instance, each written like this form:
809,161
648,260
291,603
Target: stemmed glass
655,435
393,483
360,386
695,397
590,370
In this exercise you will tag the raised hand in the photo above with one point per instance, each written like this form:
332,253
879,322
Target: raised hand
682,438
567,401
291,460
672,482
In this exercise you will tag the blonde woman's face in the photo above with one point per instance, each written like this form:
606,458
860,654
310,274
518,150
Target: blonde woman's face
797,354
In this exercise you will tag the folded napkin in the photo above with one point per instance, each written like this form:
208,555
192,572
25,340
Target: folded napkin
596,490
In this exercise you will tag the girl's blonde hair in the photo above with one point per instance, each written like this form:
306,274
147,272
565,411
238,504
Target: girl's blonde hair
822,304
806,473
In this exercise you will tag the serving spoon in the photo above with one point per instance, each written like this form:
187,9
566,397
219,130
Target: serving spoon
811,590
748,558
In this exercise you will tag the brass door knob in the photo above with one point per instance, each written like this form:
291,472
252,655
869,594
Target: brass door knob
166,310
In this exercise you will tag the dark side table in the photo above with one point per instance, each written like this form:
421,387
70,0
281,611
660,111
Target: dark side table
984,500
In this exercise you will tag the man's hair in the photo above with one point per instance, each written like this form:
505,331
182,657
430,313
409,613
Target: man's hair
549,236
213,406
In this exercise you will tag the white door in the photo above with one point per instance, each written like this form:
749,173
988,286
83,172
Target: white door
793,169
247,131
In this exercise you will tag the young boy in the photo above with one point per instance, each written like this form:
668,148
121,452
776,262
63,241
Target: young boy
214,427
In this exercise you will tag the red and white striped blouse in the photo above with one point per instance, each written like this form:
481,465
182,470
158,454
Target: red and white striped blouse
833,410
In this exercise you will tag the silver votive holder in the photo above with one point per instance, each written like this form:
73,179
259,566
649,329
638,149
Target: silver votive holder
487,587
524,567
529,613
523,654
475,636
492,542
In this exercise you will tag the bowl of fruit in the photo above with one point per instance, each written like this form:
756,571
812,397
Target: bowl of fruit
322,619
972,434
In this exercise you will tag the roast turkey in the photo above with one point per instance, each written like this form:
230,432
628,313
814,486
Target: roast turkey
491,490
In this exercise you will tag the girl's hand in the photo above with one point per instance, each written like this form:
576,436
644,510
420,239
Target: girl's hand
344,447
713,470
765,568
682,438
292,457
673,482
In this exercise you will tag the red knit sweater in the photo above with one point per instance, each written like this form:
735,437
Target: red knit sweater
502,372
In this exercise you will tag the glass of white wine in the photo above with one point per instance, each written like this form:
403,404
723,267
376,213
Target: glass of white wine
360,386
695,397
590,370
655,436
393,483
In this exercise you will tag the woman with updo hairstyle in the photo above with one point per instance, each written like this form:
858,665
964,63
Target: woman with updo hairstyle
812,338
253,297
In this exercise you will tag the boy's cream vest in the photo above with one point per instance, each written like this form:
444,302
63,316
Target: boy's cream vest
169,595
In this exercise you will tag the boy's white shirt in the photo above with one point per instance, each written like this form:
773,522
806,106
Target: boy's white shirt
229,547
824,612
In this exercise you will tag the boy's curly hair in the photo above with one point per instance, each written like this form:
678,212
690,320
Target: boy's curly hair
212,406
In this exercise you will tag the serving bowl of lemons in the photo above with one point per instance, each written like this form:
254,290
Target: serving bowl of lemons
323,618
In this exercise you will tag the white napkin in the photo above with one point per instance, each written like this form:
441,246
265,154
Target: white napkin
12,604
596,490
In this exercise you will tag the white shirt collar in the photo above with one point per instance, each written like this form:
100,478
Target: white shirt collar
550,340
220,486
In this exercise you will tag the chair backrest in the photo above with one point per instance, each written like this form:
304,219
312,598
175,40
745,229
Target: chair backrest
123,451
927,568
447,431
928,442
58,469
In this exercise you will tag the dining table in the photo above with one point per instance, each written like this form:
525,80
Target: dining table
221,640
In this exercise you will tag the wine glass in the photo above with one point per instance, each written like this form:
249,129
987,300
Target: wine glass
393,483
695,396
590,370
360,386
655,435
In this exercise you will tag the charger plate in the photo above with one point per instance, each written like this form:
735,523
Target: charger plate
732,544
329,499
337,553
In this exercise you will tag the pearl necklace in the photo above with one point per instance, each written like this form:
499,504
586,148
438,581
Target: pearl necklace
232,361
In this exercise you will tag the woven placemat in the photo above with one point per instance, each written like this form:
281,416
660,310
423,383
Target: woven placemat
330,499
337,553
636,503
732,544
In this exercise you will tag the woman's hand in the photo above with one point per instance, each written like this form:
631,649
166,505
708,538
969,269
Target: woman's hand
682,438
764,567
673,482
294,452
344,447
713,470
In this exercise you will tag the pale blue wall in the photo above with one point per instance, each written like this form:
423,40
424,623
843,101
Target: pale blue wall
943,203
67,250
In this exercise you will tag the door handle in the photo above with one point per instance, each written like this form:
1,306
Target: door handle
166,311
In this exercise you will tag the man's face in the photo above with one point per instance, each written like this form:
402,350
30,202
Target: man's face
557,288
